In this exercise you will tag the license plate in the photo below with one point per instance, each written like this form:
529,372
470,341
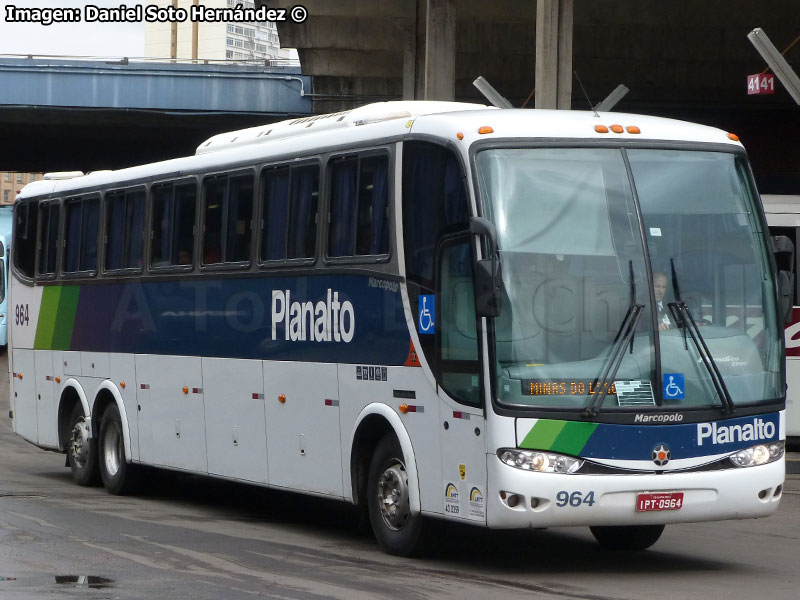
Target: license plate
659,501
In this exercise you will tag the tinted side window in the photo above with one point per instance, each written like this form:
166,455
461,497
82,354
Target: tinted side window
25,219
80,235
48,238
434,203
172,233
359,224
289,213
124,230
228,212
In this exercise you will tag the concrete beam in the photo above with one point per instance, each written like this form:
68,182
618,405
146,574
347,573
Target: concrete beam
554,53
440,50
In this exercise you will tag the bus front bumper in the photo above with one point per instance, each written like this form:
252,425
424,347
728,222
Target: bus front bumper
519,499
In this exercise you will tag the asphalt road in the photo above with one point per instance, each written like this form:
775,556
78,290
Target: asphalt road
191,537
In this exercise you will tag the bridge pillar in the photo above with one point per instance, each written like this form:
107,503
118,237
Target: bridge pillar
554,53
436,50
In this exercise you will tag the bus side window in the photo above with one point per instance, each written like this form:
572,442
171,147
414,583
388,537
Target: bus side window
80,235
457,349
172,229
289,212
124,230
25,219
303,205
228,211
359,207
434,203
48,239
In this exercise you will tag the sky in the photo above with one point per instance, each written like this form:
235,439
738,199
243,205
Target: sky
71,39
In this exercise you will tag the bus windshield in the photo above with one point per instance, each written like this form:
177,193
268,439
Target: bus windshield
573,225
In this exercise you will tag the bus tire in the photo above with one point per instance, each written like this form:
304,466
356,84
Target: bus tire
629,537
397,530
81,449
119,477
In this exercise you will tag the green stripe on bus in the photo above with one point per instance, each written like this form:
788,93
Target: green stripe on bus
573,438
48,312
67,307
543,434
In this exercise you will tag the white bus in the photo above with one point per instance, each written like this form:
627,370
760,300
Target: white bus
440,312
5,250
783,218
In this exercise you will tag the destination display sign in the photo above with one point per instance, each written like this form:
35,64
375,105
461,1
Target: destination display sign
565,387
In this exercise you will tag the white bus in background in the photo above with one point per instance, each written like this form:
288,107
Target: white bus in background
440,312
783,218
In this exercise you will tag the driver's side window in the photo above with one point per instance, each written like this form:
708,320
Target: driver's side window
457,338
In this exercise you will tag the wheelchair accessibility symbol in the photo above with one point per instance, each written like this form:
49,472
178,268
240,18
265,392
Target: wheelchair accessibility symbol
427,314
673,386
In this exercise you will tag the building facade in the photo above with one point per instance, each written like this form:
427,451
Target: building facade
11,182
217,41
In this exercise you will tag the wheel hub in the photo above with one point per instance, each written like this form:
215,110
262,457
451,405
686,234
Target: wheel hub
393,496
80,443
112,450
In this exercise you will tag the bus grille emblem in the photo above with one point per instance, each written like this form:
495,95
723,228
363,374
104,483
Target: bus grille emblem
661,455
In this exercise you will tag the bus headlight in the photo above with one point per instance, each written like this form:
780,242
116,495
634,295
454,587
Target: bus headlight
541,462
758,455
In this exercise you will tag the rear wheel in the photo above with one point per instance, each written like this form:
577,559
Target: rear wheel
397,530
81,449
118,476
631,537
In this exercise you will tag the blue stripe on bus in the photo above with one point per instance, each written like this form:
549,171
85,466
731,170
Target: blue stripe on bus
232,318
626,442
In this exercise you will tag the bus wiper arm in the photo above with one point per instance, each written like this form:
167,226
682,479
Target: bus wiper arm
683,316
606,380
681,309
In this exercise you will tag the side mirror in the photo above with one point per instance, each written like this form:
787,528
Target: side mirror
488,274
785,289
783,248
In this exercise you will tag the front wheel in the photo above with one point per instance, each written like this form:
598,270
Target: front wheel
81,449
630,537
118,476
397,530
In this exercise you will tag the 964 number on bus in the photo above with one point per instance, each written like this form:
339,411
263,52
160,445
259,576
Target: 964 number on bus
574,499
21,314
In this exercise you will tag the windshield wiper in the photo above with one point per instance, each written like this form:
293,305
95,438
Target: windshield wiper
624,335
683,317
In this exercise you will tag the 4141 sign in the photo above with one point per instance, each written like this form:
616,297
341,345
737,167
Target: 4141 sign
763,83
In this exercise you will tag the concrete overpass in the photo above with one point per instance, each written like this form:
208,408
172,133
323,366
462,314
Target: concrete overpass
685,59
59,114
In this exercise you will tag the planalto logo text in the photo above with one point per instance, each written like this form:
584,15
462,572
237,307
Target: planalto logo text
728,434
327,320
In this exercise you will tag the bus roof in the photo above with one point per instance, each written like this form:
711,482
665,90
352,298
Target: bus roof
462,123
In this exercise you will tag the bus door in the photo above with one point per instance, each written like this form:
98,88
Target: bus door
463,435
792,331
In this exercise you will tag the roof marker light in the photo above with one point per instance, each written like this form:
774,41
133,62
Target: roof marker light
601,129
485,129
733,136
633,129
617,128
